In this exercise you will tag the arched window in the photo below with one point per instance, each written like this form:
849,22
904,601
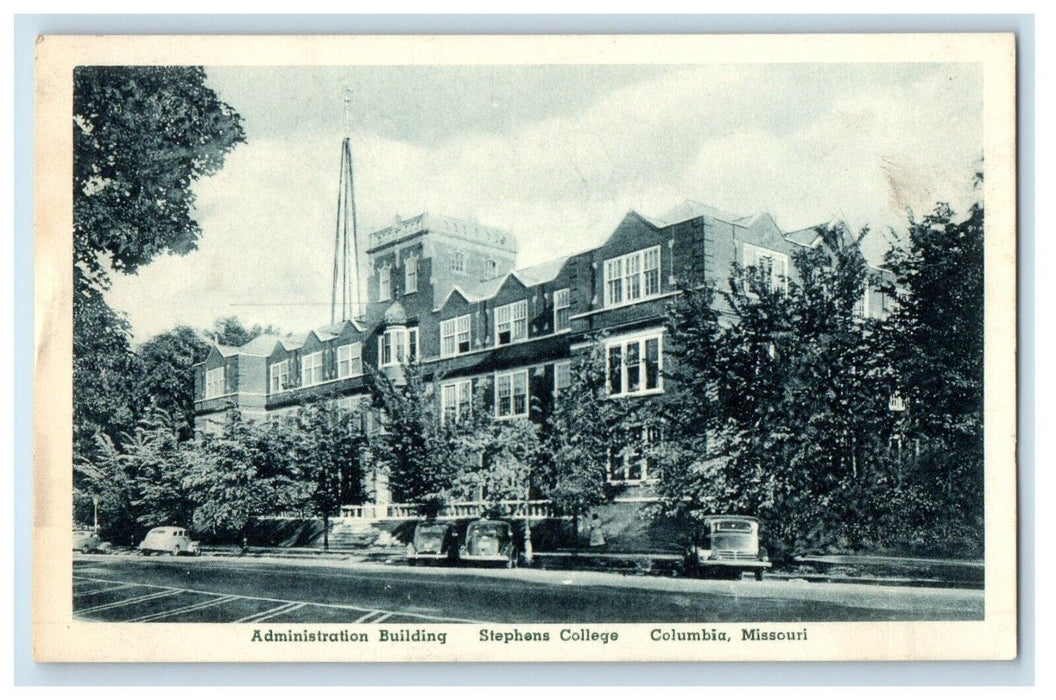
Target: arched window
458,262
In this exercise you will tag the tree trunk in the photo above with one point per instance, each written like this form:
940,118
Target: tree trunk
326,532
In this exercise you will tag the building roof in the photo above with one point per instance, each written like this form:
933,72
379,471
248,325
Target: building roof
691,209
226,350
541,273
261,345
395,315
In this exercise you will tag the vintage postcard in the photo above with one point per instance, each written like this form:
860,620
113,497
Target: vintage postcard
534,348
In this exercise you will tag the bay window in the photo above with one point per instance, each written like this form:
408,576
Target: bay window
396,345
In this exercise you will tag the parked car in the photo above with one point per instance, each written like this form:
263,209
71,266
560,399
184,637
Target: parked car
726,545
488,542
433,542
87,541
173,540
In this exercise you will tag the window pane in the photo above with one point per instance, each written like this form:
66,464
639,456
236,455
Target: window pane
633,364
652,363
615,370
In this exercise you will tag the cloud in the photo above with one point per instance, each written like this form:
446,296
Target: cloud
799,141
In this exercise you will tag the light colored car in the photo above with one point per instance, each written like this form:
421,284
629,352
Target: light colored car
169,539
87,541
726,545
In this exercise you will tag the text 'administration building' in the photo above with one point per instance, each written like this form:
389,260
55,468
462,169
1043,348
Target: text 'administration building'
445,293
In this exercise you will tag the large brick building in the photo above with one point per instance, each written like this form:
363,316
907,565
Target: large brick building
447,293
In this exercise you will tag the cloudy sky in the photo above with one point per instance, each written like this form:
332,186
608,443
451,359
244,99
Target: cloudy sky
555,154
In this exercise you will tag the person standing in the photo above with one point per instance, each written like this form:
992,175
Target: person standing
597,537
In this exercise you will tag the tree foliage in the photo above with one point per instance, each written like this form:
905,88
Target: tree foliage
142,135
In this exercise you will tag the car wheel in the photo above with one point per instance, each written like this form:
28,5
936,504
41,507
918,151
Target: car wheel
86,549
175,551
759,575
411,562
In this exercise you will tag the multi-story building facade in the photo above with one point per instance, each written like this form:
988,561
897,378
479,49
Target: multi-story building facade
447,294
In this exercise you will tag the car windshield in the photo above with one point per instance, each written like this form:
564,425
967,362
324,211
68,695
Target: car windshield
734,541
495,530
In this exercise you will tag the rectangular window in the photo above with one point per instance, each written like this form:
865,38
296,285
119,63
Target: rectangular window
511,322
635,365
312,369
280,376
349,360
632,277
384,283
562,376
410,274
562,302
768,266
511,394
634,462
214,383
458,262
454,336
456,399
412,344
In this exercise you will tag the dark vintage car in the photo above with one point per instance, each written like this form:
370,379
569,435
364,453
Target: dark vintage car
433,542
488,542
726,545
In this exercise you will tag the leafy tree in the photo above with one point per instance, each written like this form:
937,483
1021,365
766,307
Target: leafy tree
141,136
782,411
328,444
231,331
104,369
508,460
158,465
934,343
165,376
242,473
578,434
413,443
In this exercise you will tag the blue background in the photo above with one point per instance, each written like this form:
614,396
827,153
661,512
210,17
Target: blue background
27,27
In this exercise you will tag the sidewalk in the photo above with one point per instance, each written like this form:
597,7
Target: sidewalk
852,569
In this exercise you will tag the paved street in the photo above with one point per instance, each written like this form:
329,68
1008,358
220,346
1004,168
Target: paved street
214,589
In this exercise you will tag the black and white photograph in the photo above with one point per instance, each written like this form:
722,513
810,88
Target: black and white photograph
526,348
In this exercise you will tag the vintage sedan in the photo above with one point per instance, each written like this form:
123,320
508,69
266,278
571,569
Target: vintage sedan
87,541
488,542
726,545
433,542
168,539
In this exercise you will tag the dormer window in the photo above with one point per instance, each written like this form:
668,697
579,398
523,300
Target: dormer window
490,268
633,277
511,322
454,336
